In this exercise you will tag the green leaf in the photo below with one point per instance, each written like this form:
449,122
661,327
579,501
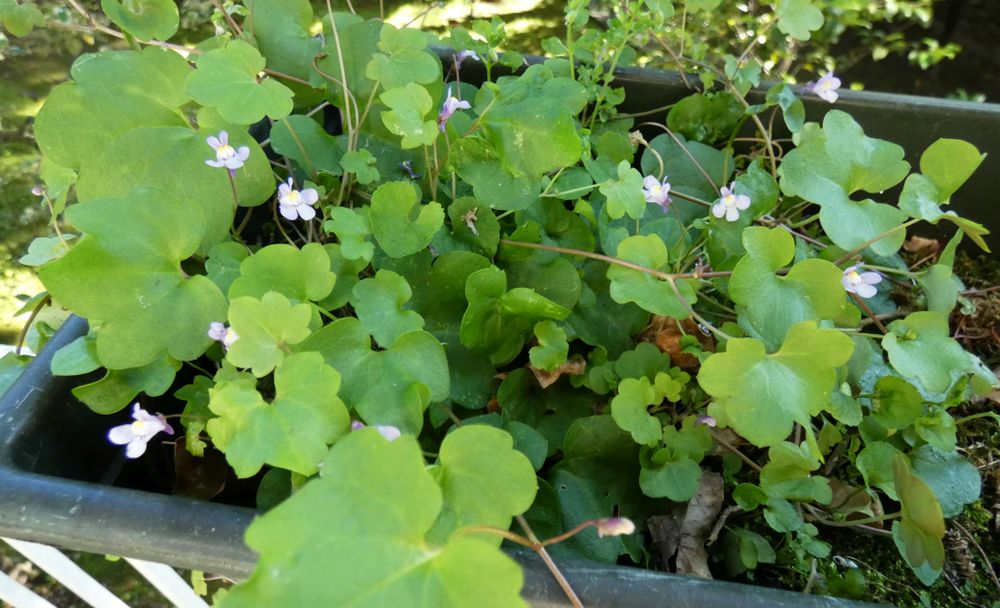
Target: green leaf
379,304
403,59
532,124
920,347
400,223
792,108
875,464
781,515
497,321
44,249
359,39
552,349
118,170
352,229
705,118
293,431
897,403
362,164
478,164
474,225
831,164
649,292
281,30
798,18
770,304
144,19
596,478
223,264
628,409
146,89
938,429
948,163
409,106
76,358
918,535
625,195
125,273
119,387
787,474
954,480
392,386
939,283
304,140
266,328
484,480
944,166
226,79
361,528
761,395
748,496
298,274
676,480
196,414
20,17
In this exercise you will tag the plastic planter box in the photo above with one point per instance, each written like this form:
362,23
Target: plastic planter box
56,469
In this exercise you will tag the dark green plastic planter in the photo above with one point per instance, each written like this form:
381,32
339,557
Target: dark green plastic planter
55,485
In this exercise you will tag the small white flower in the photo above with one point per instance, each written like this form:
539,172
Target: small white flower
826,87
220,333
860,283
294,204
656,191
38,191
137,434
389,432
730,205
614,526
225,155
466,54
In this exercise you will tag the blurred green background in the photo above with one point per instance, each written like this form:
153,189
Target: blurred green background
928,47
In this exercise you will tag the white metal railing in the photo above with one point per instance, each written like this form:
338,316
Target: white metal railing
164,578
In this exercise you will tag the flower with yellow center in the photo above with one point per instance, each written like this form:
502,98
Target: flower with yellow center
860,283
729,204
294,204
225,155
136,435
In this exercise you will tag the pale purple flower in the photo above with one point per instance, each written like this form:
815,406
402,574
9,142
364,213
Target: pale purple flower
860,283
408,167
222,334
656,191
449,107
137,434
296,203
706,421
729,204
389,432
466,54
826,87
614,526
38,191
225,155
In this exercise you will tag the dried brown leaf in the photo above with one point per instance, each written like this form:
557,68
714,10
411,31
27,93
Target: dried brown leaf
701,513
665,333
573,367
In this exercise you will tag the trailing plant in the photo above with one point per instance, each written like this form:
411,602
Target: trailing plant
424,303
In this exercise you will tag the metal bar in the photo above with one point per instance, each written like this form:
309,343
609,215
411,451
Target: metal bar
73,577
169,583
